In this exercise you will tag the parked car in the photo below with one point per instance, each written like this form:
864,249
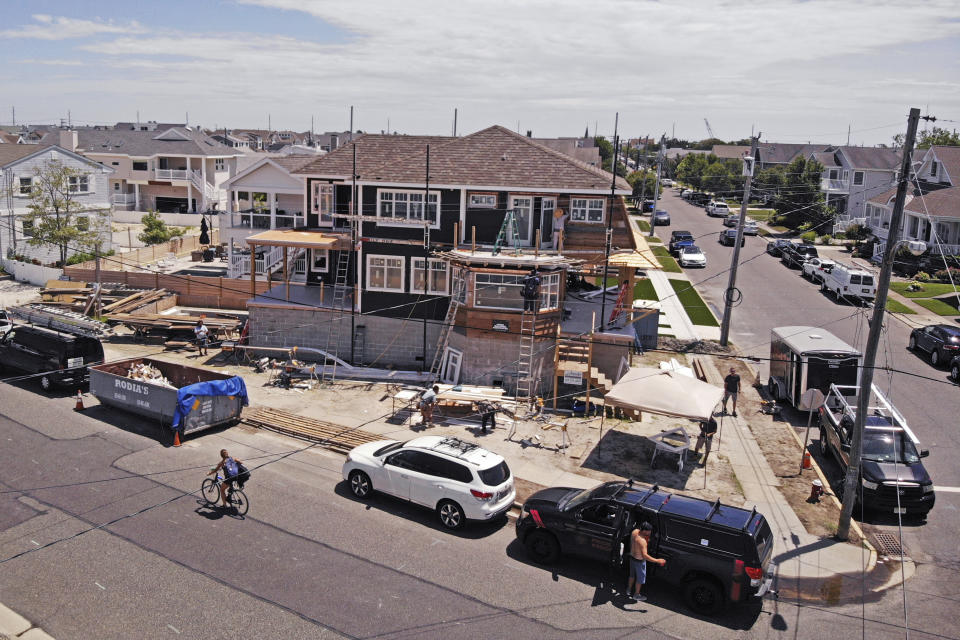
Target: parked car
794,255
850,283
686,193
692,256
718,209
459,480
731,220
954,367
679,239
5,324
941,341
646,206
728,237
751,228
666,182
661,218
814,268
716,554
699,198
56,358
774,248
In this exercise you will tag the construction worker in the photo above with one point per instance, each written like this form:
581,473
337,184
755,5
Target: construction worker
531,291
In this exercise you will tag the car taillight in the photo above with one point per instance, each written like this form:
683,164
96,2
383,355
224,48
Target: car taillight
951,347
481,495
754,573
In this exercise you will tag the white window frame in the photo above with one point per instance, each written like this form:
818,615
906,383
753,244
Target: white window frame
580,208
324,203
416,267
862,176
452,362
219,164
549,291
846,175
28,184
407,221
399,263
483,201
833,174
315,256
79,184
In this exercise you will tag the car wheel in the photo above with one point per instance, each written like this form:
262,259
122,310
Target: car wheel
451,514
912,344
824,449
703,596
935,357
542,547
955,372
360,484
772,388
46,383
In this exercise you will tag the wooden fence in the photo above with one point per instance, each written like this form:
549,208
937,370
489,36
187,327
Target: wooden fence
138,257
192,291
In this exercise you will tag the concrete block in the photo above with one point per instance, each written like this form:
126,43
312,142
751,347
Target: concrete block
36,634
12,623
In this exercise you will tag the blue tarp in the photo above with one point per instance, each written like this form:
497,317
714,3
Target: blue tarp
187,395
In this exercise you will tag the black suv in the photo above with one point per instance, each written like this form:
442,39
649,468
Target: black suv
57,358
680,239
715,553
794,255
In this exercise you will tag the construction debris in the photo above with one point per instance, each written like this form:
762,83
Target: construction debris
144,372
326,434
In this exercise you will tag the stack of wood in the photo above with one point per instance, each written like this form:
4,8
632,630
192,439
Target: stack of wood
118,298
153,323
135,300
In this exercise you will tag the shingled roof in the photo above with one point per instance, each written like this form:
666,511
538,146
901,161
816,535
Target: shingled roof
949,158
13,152
492,157
188,142
871,157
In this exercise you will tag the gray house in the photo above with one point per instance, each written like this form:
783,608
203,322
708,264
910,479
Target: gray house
854,175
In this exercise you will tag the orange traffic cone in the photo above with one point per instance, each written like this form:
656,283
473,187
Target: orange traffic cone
79,406
806,460
176,438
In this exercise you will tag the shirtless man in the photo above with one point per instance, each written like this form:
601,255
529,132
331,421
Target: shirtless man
639,539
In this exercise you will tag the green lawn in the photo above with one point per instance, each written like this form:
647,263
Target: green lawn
652,239
930,289
643,290
938,307
898,307
665,259
643,225
693,304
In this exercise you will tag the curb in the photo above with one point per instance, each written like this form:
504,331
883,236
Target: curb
16,627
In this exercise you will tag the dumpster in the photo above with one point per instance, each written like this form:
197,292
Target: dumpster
198,398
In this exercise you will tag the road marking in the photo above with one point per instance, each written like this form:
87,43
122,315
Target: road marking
947,489
174,629
100,585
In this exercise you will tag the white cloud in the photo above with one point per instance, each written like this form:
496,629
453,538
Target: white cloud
61,28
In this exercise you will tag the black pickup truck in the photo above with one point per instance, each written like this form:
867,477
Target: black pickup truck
717,554
794,254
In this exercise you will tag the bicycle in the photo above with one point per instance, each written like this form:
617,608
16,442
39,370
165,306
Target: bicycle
210,488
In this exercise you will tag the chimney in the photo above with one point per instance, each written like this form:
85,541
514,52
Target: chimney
334,142
529,133
68,140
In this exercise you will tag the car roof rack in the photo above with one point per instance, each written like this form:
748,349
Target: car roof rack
461,446
713,510
753,513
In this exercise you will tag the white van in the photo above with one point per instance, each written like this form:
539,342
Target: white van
848,282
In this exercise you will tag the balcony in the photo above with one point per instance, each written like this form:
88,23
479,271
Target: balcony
251,219
125,200
172,174
830,185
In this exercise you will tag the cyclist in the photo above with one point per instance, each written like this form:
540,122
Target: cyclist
231,468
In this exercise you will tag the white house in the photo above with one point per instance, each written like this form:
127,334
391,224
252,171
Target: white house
18,164
854,175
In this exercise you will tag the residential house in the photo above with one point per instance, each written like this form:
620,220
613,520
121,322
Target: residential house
852,176
230,140
779,154
583,149
18,166
931,211
386,251
730,151
175,170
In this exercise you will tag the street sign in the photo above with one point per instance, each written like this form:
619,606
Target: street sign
573,377
810,400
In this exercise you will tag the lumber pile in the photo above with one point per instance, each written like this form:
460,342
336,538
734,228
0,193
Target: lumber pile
135,300
118,298
328,435
144,323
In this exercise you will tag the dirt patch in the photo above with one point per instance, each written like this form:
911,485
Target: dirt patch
692,346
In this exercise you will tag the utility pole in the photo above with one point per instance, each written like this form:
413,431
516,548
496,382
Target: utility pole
351,123
606,255
732,292
354,212
656,186
454,122
852,477
13,115
426,252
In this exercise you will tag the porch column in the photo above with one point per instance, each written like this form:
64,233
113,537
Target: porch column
253,270
273,209
136,191
189,188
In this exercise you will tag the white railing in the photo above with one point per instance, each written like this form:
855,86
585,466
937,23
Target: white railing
124,199
172,174
300,264
239,265
826,184
260,220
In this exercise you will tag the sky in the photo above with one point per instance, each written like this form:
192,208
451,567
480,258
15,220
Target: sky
793,71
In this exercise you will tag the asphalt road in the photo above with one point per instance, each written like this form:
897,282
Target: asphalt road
774,295
101,537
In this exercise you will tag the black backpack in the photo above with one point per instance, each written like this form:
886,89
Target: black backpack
243,475
531,287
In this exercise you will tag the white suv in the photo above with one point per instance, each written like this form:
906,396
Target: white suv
459,480
719,209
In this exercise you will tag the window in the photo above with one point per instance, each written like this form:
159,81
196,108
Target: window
26,185
443,468
385,273
483,200
858,178
116,186
27,228
319,259
323,203
116,164
504,291
586,209
846,175
933,169
834,174
79,184
219,164
139,165
495,476
83,223
406,206
438,277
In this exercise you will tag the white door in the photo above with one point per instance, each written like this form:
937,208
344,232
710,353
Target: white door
547,205
450,372
523,214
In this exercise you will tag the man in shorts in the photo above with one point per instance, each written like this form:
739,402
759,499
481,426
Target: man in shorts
427,401
639,541
731,388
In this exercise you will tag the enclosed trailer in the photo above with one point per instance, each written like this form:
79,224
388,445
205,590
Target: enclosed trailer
803,358
206,398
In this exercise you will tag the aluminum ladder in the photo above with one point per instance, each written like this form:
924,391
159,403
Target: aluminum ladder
340,289
455,301
60,320
528,329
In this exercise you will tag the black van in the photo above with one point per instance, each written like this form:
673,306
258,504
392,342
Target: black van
56,357
716,554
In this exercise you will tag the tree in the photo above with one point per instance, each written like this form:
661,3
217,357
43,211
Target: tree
204,235
691,168
156,230
767,183
637,179
716,177
56,218
934,137
800,200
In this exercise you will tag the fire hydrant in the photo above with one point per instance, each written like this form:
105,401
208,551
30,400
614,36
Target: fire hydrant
815,491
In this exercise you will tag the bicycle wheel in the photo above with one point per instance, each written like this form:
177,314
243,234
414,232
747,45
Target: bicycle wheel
238,499
210,490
